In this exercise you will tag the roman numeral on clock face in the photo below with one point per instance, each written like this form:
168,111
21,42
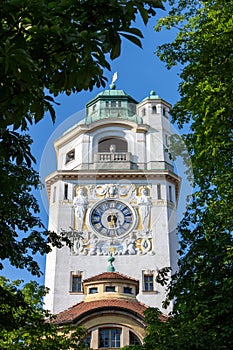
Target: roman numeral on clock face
112,218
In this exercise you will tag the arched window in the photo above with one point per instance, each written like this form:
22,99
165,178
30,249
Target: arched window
154,110
133,339
70,156
112,144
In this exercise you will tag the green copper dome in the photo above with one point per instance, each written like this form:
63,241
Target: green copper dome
152,96
112,104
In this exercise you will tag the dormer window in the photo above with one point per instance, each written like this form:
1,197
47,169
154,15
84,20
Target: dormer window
93,290
110,289
70,156
128,290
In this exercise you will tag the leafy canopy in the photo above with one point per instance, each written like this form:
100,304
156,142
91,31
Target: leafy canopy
22,321
60,46
203,286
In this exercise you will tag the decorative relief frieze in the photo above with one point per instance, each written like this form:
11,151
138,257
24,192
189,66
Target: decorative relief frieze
114,191
89,244
86,241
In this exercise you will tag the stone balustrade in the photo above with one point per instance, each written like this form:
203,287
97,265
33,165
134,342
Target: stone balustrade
113,157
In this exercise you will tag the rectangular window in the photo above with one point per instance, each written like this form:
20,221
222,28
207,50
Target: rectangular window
76,282
159,191
148,281
109,338
113,104
119,104
128,290
110,289
107,104
170,194
66,191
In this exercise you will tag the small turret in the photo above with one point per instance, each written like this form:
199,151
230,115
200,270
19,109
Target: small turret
153,105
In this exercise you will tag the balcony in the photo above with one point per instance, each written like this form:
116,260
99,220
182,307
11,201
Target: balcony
110,160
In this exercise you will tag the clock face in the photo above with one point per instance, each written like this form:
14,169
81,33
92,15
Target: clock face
112,218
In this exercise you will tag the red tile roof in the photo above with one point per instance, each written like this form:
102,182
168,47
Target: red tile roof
110,276
79,310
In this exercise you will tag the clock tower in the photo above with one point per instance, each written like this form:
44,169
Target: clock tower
114,193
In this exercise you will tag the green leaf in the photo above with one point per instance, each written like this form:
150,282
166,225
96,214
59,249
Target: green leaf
133,39
144,14
116,50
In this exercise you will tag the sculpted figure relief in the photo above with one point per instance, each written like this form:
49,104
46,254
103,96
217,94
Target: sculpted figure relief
93,244
80,203
115,190
129,245
112,190
144,202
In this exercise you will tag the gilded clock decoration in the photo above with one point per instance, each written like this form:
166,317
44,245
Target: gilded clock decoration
112,218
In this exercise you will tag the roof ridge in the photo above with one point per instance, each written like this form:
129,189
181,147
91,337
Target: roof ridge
69,308
82,308
116,273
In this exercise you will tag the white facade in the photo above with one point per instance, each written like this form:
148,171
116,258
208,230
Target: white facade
114,191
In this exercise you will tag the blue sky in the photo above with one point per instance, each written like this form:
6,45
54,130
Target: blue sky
139,72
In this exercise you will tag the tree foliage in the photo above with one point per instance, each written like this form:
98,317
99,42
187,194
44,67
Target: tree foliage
60,46
203,287
22,321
